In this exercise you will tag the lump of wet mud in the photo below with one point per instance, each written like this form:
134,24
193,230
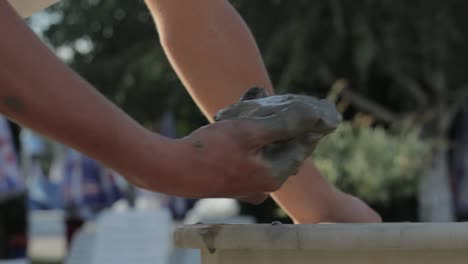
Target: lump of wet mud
299,121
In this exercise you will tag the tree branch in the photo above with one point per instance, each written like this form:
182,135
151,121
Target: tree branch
404,80
414,88
369,106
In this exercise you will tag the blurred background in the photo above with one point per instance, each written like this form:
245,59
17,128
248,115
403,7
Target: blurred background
395,69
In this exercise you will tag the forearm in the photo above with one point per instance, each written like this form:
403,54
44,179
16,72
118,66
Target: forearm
38,91
217,59
307,196
211,50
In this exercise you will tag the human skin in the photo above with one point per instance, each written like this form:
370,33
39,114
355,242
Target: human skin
38,91
216,57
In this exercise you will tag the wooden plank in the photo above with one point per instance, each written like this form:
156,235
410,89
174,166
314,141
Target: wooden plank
385,236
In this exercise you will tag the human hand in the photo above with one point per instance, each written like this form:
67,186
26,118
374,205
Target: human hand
285,156
223,159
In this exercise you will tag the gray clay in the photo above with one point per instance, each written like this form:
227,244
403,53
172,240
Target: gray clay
299,121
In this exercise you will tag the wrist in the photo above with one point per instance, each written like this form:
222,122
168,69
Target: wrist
143,156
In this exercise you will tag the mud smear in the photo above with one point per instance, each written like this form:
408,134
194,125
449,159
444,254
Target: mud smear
208,235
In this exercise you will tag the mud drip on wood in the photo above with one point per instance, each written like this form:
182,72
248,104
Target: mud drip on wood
208,235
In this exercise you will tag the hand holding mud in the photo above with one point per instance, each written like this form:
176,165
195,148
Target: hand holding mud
296,124
257,143
231,158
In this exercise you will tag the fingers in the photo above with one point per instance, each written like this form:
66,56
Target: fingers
294,121
287,157
284,129
263,178
255,199
282,117
283,158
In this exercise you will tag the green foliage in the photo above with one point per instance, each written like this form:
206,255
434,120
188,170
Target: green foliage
372,163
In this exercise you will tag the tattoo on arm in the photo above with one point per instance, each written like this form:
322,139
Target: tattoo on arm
198,144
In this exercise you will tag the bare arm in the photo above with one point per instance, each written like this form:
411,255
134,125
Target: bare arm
215,55
37,90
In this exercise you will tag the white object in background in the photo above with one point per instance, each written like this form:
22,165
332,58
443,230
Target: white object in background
28,7
83,244
46,232
46,223
141,203
213,208
134,236
209,211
